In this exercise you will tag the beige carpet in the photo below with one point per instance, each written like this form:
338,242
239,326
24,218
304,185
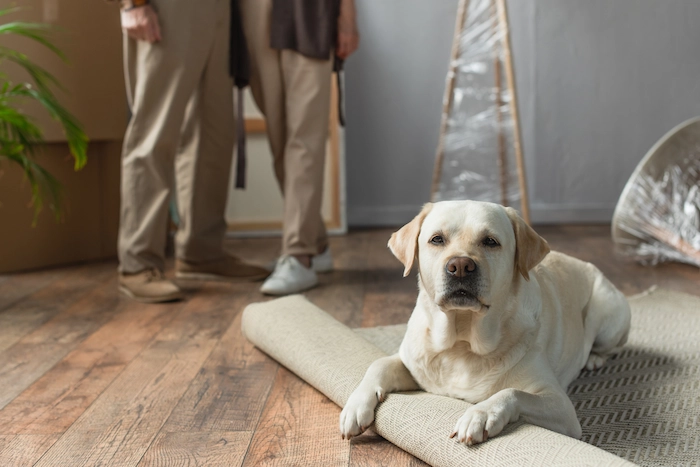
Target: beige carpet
643,405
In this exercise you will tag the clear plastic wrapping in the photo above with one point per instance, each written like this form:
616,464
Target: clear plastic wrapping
658,216
476,157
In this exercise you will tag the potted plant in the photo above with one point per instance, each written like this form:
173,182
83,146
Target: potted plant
20,137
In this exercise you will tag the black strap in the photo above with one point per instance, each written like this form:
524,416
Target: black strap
338,69
240,141
341,114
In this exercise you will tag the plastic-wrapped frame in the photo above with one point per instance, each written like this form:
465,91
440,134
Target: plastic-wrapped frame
657,218
479,152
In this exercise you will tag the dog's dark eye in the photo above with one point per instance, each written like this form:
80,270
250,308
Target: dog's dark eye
490,242
437,240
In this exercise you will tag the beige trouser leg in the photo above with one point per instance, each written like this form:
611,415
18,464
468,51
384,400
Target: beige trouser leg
293,92
188,66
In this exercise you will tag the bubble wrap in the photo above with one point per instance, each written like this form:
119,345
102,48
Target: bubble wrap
476,157
658,216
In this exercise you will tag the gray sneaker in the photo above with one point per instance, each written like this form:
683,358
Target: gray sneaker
289,277
323,262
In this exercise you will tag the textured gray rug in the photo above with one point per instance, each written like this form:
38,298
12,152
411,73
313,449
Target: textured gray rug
644,404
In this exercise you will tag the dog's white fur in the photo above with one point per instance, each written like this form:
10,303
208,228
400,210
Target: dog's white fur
509,338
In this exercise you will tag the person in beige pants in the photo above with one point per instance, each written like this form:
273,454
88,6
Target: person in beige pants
180,135
292,90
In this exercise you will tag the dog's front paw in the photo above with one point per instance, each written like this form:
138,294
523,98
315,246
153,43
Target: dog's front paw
479,422
358,413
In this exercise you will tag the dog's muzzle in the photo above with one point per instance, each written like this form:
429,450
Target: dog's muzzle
461,283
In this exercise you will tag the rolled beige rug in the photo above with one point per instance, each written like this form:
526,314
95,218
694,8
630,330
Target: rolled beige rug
333,358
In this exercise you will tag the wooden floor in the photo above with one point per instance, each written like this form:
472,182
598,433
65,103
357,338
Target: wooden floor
90,378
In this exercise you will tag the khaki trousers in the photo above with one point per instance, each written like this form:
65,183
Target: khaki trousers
181,134
293,92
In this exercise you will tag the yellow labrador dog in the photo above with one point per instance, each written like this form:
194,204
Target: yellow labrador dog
499,322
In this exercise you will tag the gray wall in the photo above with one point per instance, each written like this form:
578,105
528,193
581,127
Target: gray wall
394,86
598,82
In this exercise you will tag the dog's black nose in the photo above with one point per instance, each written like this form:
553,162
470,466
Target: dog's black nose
460,266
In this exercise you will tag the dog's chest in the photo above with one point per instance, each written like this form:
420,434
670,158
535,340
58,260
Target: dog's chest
449,373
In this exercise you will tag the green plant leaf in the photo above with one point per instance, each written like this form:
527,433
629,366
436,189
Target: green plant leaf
77,140
43,185
20,137
35,31
42,78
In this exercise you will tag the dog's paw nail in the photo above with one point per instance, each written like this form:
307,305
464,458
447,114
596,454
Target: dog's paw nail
453,434
486,435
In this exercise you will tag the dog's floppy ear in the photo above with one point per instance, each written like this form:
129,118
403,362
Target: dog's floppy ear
530,248
404,243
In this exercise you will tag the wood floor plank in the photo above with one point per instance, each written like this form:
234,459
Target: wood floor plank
341,292
593,243
26,361
389,297
255,250
371,450
190,449
299,427
123,421
62,394
383,309
25,450
64,289
14,287
229,392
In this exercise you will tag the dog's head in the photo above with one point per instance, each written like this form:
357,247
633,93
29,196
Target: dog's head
469,253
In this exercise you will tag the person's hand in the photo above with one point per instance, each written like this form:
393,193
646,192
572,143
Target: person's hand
141,23
348,37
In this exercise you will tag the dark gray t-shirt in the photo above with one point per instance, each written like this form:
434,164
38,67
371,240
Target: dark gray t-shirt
306,26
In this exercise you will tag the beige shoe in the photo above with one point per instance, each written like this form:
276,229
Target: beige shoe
228,268
149,286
